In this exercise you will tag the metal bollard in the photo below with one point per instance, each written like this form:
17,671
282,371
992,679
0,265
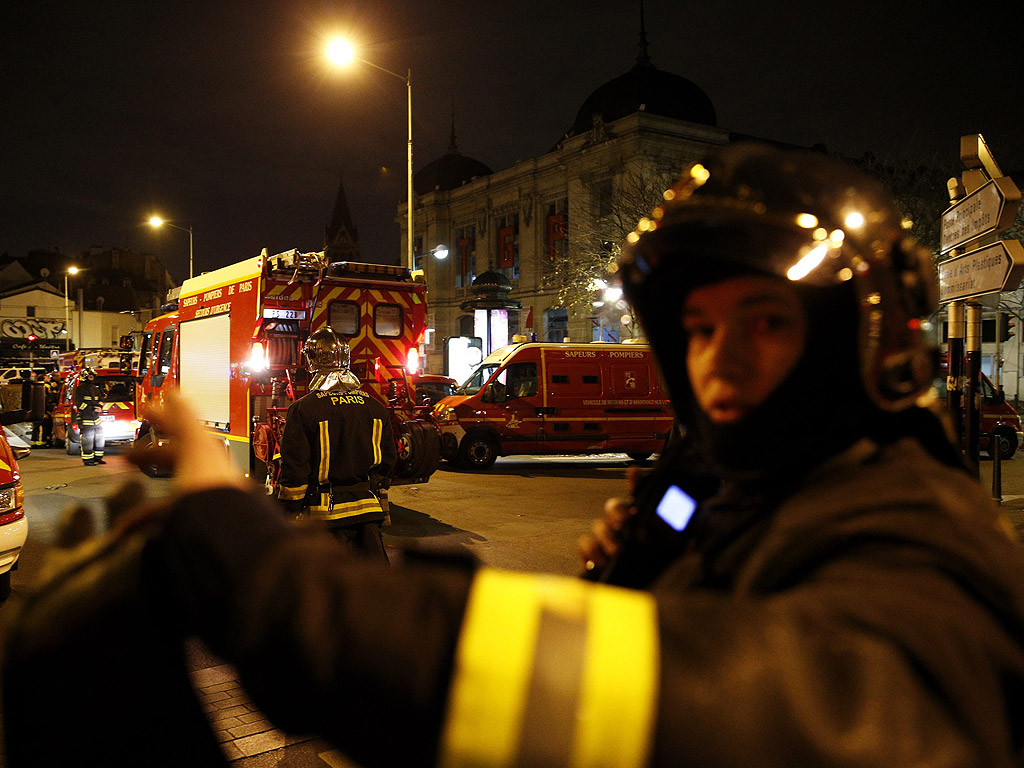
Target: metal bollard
997,468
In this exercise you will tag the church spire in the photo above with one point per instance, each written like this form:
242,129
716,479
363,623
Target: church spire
643,59
341,239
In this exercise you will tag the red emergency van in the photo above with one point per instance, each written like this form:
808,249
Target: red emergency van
543,398
998,418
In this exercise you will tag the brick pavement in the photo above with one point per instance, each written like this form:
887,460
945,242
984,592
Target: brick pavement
242,730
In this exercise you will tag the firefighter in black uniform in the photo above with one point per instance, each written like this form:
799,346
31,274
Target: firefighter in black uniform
849,596
338,450
88,398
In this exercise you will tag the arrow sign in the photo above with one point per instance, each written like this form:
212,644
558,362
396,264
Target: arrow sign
990,208
994,268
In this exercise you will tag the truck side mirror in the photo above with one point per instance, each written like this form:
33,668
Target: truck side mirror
998,397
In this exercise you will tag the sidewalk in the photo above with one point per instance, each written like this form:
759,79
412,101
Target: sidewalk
242,730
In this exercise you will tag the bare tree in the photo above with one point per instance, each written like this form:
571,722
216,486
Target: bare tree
599,221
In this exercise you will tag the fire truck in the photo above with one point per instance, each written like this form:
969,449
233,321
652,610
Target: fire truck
231,341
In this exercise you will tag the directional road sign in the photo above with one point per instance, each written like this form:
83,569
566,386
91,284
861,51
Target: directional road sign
990,208
994,268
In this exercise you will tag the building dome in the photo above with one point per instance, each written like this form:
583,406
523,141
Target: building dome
645,88
448,172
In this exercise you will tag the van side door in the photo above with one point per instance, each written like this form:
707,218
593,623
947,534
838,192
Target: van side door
514,394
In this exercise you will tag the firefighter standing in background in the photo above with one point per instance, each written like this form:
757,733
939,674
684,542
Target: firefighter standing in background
338,451
42,431
88,403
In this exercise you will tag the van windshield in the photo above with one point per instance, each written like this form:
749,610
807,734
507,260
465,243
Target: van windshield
476,381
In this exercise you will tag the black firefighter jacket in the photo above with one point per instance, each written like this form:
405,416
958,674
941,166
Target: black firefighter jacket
88,402
875,617
337,451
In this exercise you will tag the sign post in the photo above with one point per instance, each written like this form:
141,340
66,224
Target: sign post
983,203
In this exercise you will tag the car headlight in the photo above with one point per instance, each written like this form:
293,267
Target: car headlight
11,498
447,416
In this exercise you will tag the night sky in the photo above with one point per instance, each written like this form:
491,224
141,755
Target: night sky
224,116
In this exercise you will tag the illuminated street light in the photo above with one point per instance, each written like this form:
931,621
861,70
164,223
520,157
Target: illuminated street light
440,252
67,317
341,52
156,222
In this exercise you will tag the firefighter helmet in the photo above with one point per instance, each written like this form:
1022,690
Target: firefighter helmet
798,215
325,351
88,373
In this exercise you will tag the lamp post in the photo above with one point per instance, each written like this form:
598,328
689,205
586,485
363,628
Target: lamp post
67,317
156,222
341,52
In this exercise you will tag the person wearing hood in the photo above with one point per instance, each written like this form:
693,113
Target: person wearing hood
841,591
337,449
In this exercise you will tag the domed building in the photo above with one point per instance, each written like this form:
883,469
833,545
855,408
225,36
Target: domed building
627,143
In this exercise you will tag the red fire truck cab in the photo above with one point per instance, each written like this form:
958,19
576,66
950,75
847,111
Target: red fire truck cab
231,343
117,414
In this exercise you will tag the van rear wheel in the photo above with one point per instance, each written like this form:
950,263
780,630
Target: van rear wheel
478,451
639,457
1007,442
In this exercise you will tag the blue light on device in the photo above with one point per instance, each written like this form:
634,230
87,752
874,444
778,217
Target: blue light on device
676,507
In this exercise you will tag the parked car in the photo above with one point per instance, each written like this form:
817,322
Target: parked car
13,524
12,374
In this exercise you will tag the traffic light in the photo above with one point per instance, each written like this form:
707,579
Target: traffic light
1006,324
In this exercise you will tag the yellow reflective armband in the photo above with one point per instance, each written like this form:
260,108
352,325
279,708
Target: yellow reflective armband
552,671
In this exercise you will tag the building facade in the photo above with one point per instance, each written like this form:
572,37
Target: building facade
521,222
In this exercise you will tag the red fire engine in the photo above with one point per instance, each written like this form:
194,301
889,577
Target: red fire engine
231,343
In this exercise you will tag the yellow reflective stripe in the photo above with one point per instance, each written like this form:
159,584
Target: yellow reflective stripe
344,508
619,699
291,493
500,680
325,453
5,466
378,429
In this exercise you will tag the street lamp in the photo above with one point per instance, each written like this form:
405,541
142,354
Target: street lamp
341,53
440,251
156,222
67,317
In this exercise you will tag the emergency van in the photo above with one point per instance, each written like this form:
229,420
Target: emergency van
543,398
22,402
997,418
231,342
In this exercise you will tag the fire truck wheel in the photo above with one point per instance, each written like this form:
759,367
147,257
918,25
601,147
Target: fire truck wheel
478,451
419,450
639,457
1007,442
73,447
145,441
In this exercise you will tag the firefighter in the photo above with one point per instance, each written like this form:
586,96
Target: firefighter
42,431
850,598
338,450
88,399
